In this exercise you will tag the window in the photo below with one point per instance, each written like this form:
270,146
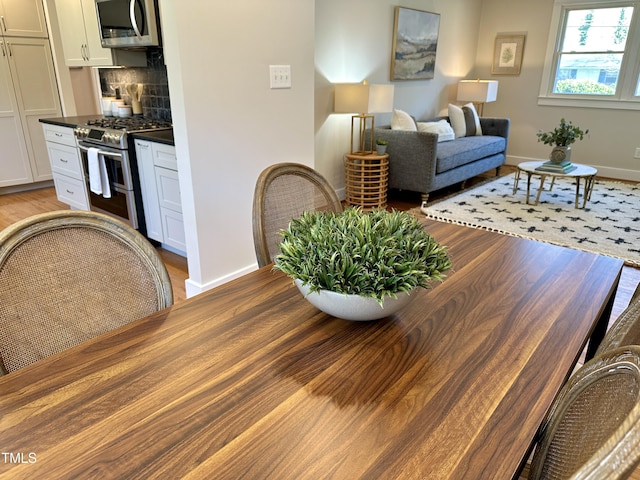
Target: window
592,57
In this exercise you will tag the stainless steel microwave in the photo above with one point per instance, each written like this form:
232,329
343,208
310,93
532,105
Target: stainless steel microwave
128,23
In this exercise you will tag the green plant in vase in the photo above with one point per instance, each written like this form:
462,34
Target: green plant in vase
381,146
378,255
561,137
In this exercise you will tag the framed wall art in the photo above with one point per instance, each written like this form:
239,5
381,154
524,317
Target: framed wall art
415,41
507,54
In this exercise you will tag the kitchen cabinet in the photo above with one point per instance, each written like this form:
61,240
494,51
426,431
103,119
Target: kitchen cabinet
66,165
28,92
158,170
22,18
81,38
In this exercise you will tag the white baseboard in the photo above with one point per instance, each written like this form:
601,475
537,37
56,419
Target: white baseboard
193,288
26,187
603,171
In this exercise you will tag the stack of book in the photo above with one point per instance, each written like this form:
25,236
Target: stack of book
555,167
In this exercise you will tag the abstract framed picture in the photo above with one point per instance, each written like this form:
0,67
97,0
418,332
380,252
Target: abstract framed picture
415,41
507,54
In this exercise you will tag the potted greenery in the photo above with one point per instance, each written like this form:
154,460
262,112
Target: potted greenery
560,138
381,146
360,266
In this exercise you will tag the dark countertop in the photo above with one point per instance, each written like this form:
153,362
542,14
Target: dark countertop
158,136
70,121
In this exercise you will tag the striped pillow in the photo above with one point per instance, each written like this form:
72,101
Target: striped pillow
464,120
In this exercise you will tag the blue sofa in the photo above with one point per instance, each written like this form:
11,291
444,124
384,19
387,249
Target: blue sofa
419,163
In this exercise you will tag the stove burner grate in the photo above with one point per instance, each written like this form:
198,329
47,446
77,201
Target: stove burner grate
130,124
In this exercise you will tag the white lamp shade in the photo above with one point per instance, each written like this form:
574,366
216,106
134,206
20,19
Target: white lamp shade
363,98
479,91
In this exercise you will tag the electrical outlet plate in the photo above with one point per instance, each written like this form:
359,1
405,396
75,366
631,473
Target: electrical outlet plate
637,154
280,76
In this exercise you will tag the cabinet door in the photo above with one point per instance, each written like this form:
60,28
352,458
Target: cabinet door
71,191
80,36
36,91
98,56
146,170
65,160
15,161
168,189
23,18
173,229
72,34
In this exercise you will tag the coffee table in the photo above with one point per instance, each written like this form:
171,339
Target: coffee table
580,172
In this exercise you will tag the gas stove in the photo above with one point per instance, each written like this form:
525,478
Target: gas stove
113,131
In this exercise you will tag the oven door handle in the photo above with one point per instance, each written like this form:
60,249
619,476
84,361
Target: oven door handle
102,152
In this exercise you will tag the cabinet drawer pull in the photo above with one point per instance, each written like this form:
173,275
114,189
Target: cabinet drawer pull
70,192
57,134
64,161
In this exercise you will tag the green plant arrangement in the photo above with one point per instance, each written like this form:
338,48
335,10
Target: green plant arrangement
381,141
563,135
377,254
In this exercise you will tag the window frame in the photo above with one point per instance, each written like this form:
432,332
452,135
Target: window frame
625,97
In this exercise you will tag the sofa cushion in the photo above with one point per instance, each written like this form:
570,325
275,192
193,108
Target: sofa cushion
467,149
464,120
401,120
442,128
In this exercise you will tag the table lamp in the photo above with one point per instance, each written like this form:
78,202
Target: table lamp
478,91
363,99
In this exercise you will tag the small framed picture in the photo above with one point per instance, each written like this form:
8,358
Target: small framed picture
507,54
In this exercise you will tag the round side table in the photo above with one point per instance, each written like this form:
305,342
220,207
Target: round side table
366,180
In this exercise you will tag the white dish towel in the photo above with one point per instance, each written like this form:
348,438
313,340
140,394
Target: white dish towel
98,176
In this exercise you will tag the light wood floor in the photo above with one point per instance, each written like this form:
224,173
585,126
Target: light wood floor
16,206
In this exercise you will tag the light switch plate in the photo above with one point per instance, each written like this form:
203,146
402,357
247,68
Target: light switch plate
280,76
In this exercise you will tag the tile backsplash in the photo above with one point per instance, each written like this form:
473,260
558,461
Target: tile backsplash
155,94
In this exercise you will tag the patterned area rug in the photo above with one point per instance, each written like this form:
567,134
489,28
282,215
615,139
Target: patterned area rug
609,225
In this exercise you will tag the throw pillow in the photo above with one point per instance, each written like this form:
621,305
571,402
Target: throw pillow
401,120
464,120
442,128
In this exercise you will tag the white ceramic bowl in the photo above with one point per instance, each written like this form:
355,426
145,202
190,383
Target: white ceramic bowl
124,111
115,105
352,307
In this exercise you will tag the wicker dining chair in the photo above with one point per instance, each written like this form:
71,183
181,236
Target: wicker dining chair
283,192
592,430
67,276
626,329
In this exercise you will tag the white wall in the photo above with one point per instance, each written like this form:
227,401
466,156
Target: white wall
614,133
353,43
228,124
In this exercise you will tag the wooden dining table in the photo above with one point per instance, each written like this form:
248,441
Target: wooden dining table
250,381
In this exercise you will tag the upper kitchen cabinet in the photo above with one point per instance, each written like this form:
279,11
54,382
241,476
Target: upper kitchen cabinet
28,92
22,18
81,39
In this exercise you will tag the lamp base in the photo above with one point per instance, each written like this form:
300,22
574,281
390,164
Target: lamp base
362,127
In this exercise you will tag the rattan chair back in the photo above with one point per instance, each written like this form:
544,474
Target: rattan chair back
592,430
283,191
626,329
68,276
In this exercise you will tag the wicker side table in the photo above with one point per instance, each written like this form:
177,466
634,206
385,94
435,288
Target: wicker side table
366,180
